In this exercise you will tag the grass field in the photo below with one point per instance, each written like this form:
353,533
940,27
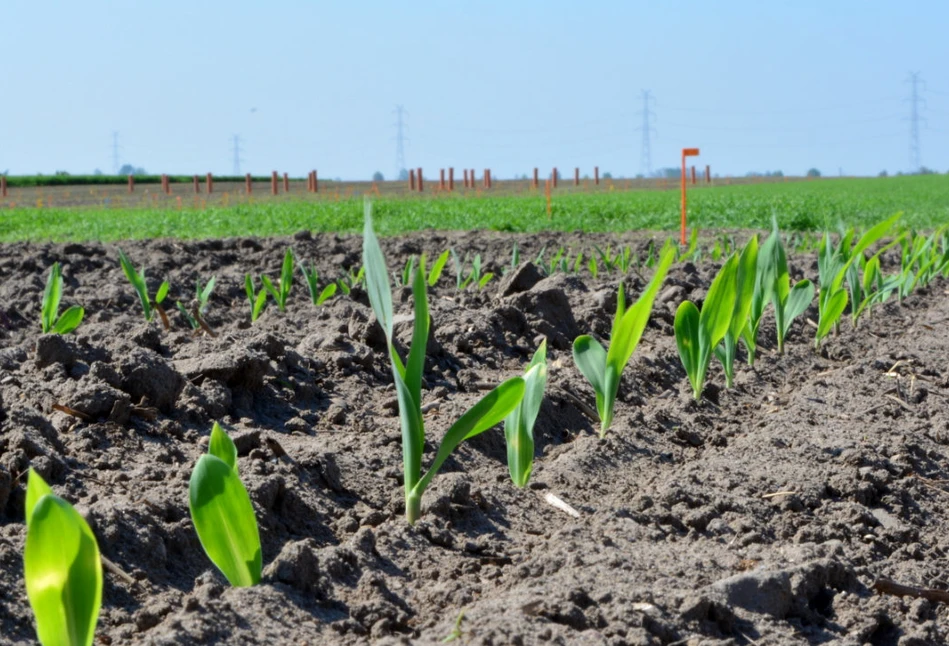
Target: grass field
812,205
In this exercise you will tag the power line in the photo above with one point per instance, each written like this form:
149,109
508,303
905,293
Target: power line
914,119
236,142
400,140
645,158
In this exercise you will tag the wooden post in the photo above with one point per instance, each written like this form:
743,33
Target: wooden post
210,182
466,178
441,179
693,175
686,152
286,183
535,177
553,180
576,177
421,187
486,177
131,185
451,178
316,182
197,185
596,175
273,182
167,182
411,179
248,185
471,173
708,174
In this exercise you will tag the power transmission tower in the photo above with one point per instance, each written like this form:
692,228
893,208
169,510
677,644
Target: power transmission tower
645,159
115,152
400,140
915,100
236,140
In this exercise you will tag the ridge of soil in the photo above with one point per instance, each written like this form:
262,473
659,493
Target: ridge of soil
762,514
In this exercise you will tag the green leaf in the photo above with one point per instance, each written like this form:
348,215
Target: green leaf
719,305
222,446
63,572
70,320
439,266
162,292
36,488
270,289
834,308
310,276
485,280
204,295
51,298
686,328
259,304
415,363
249,289
626,334
745,281
286,276
799,299
137,279
590,358
224,519
519,424
328,292
490,410
377,276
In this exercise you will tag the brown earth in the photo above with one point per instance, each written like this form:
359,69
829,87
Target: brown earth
760,515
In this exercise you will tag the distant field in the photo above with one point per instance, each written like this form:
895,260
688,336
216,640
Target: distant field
799,205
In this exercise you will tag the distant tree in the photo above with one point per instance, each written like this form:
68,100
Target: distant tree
923,170
128,169
378,177
403,175
668,173
776,173
640,176
62,173
607,175
97,172
883,173
813,172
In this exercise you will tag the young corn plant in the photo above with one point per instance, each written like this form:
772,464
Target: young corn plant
745,282
698,333
789,302
202,298
50,319
351,280
439,266
222,513
765,276
281,291
832,268
137,279
602,368
318,296
490,410
62,568
257,299
519,424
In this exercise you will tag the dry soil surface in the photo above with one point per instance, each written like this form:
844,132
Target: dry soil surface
763,514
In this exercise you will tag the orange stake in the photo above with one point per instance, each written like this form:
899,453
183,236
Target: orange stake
686,152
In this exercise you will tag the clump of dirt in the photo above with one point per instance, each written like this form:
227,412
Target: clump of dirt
761,514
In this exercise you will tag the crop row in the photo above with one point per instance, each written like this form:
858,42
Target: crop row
63,568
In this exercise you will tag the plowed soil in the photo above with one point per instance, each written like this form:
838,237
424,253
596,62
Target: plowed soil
763,514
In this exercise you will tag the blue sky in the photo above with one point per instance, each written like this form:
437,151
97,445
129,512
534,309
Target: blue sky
506,85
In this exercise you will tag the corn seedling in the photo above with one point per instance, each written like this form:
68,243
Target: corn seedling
317,296
578,263
602,368
222,513
137,279
50,319
281,291
745,279
698,333
593,267
202,297
832,268
351,280
62,567
439,266
519,424
257,299
490,410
